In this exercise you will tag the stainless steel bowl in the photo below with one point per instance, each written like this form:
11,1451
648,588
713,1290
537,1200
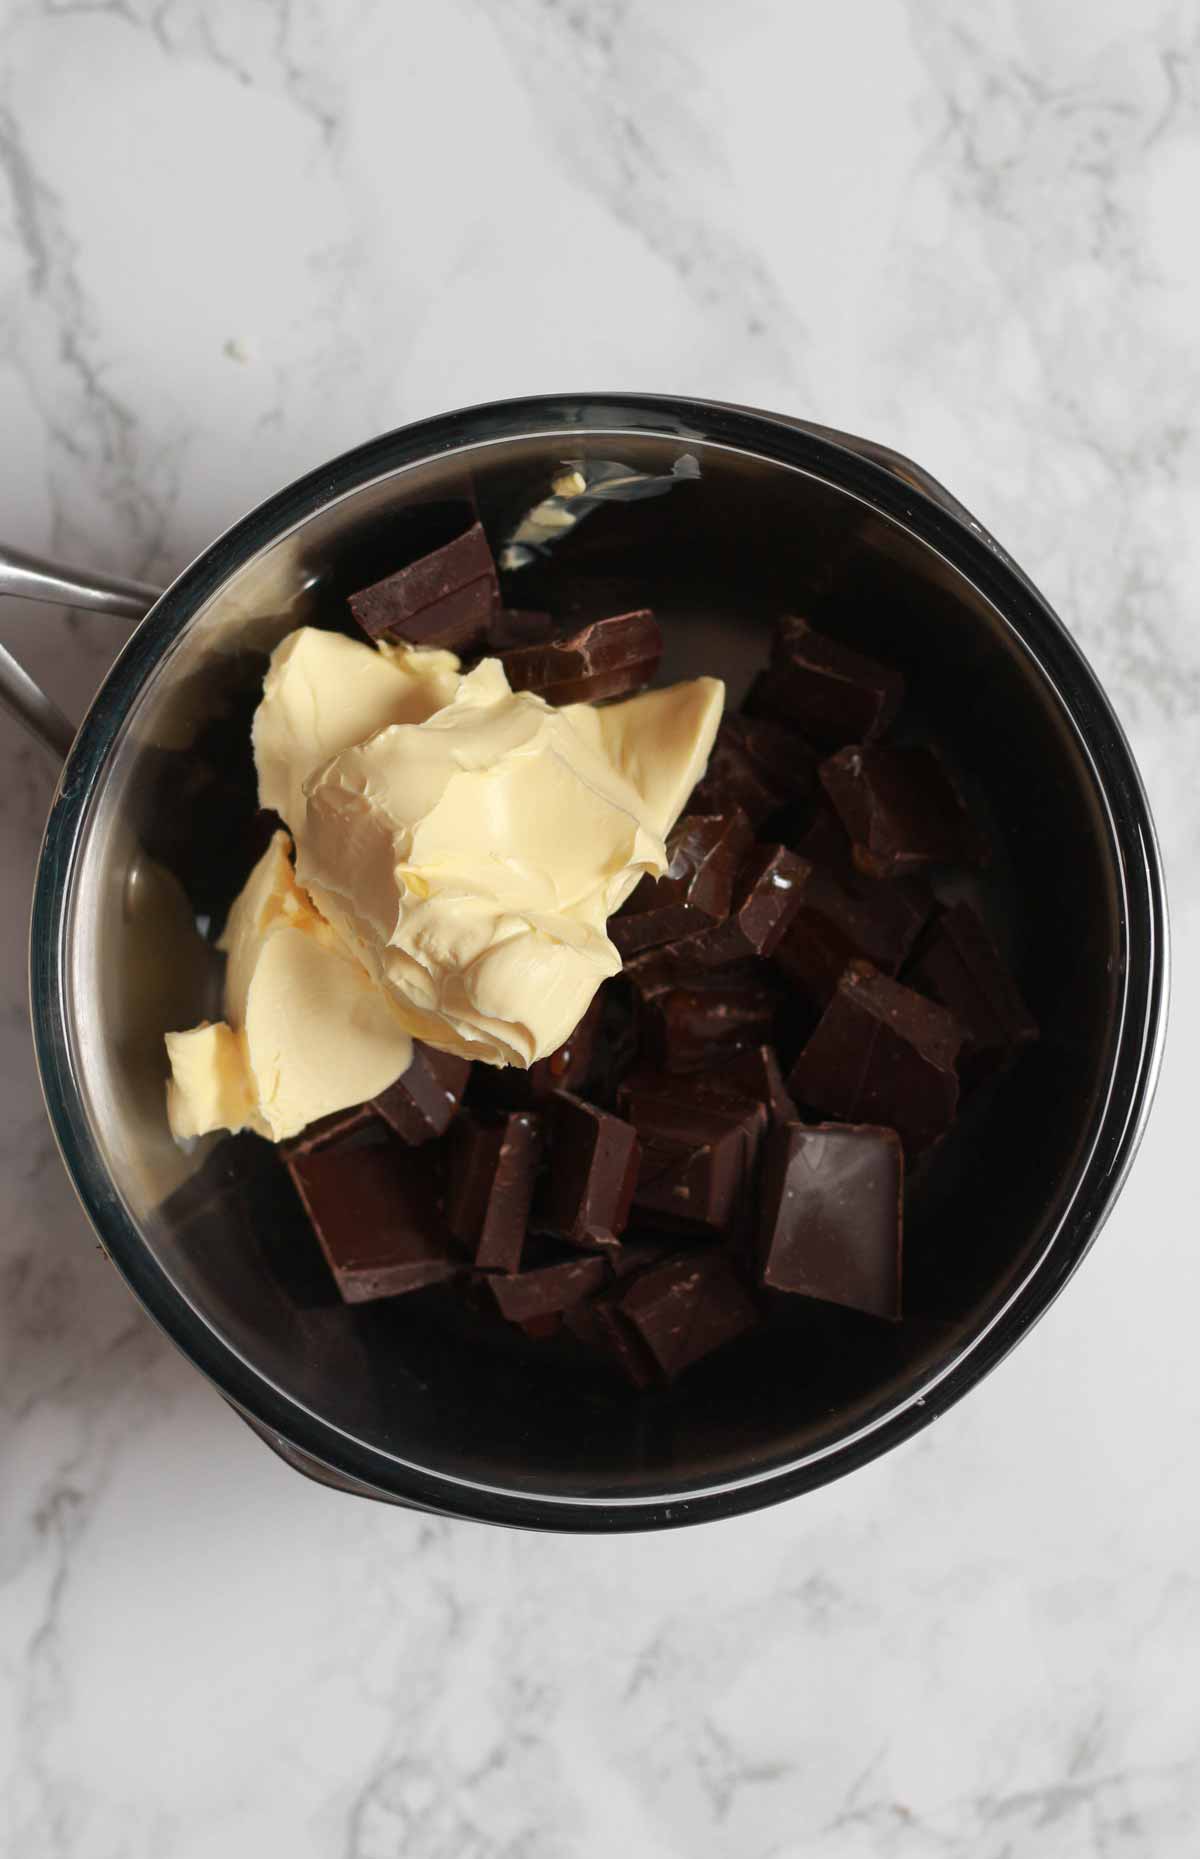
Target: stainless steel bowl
409,1402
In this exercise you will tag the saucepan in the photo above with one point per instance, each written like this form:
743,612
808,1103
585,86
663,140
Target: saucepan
412,1401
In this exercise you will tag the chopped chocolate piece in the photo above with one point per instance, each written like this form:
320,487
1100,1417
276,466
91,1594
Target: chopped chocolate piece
831,694
686,1307
522,1296
634,1255
959,965
881,1054
540,1328
599,1326
586,1194
511,627
877,919
688,1028
769,893
374,1208
757,766
755,1073
604,659
697,1154
831,1214
705,853
566,1069
731,779
900,809
421,1103
339,1123
492,1171
616,1043
824,841
783,758
684,1088
657,971
446,598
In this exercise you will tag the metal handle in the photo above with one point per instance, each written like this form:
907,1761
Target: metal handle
29,578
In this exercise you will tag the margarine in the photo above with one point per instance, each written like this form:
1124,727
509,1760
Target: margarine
459,849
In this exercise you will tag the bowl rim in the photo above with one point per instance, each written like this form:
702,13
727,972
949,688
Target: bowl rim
936,522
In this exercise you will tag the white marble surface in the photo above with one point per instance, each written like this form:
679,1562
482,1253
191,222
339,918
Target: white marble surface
237,236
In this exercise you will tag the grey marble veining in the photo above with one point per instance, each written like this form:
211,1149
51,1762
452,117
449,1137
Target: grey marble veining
235,239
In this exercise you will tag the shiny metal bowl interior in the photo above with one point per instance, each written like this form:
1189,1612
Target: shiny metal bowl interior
414,1400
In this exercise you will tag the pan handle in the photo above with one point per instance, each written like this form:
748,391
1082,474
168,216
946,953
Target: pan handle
27,577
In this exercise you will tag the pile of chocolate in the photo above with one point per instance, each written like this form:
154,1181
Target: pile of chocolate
795,1022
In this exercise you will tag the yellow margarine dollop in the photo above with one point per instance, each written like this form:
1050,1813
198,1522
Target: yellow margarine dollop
324,692
459,850
307,1032
472,861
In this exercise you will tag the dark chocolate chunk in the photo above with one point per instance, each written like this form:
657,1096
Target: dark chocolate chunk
446,598
374,1208
782,758
830,1214
511,627
604,659
634,1254
900,809
823,840
421,1103
706,852
684,1088
768,895
657,971
688,1028
492,1170
898,907
598,1324
755,1073
566,1069
544,1289
593,1166
540,1328
686,1307
339,1123
881,1054
697,1155
616,1043
827,691
847,917
959,965
758,766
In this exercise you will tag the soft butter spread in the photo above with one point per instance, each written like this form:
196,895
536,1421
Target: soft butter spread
459,848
